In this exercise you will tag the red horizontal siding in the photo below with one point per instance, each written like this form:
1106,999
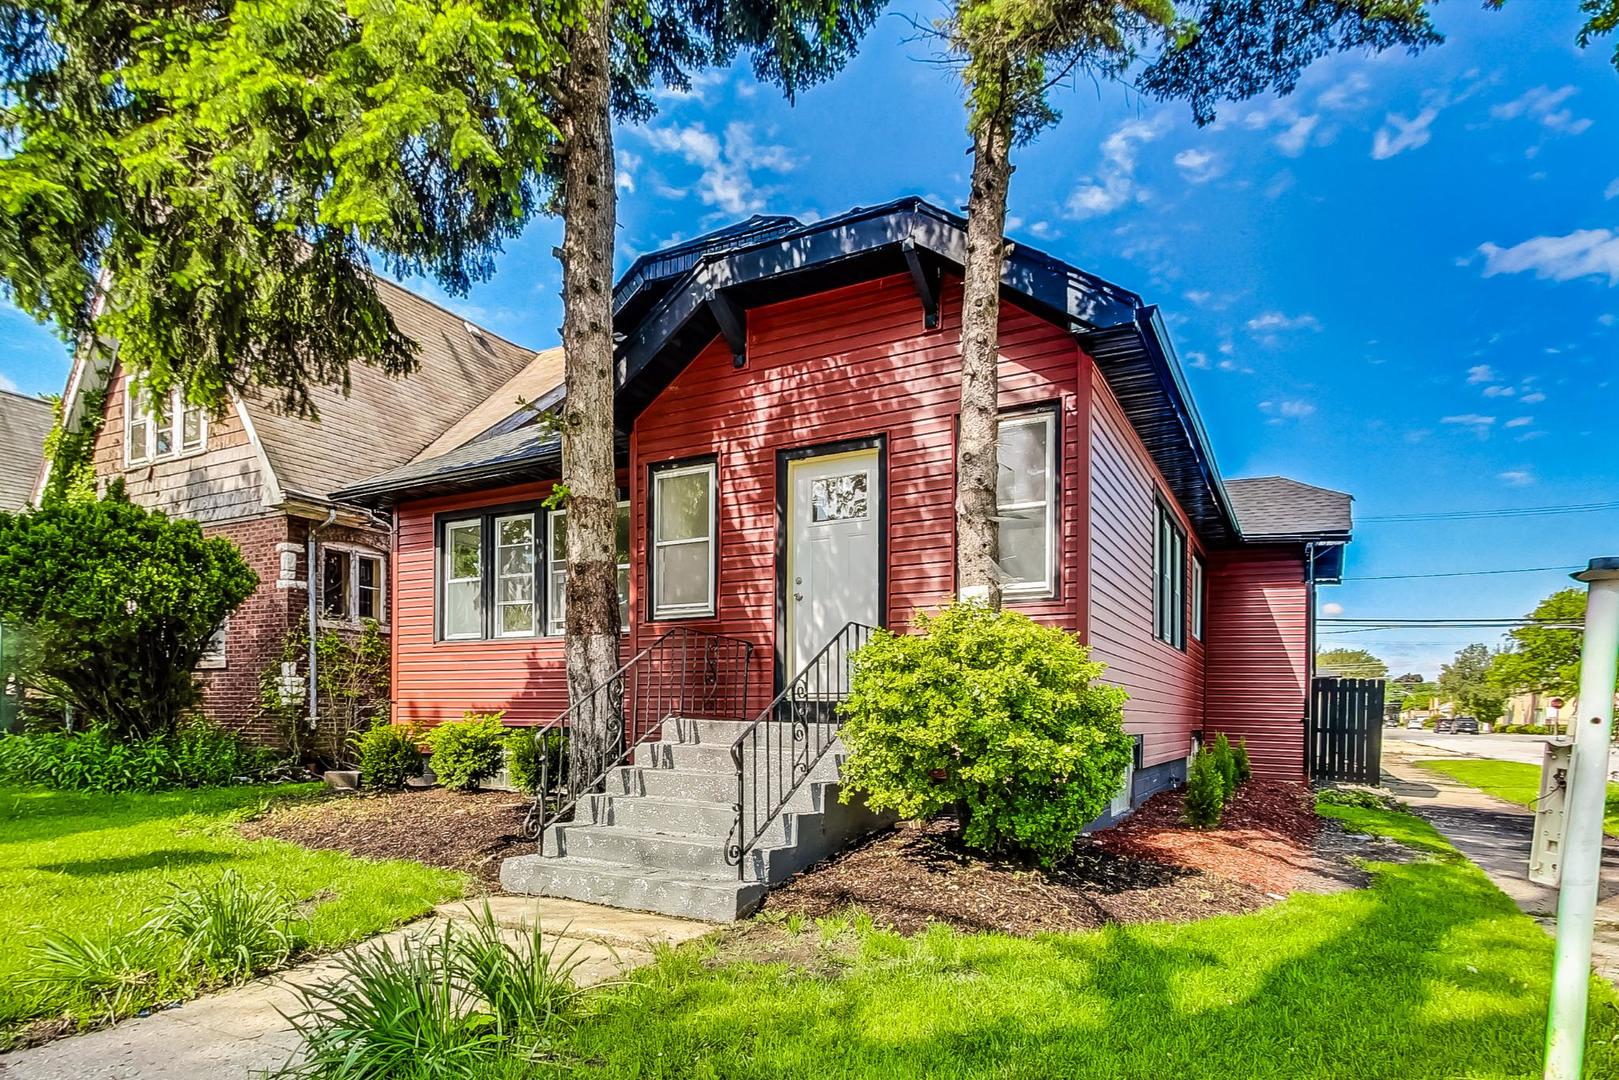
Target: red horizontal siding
1165,683
1258,678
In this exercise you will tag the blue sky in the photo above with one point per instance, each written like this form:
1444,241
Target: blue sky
1397,282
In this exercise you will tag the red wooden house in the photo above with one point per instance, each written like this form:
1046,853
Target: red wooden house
787,409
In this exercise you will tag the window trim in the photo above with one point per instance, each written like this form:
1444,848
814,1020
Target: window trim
441,572
354,552
552,629
1196,589
1050,415
656,474
1174,605
135,405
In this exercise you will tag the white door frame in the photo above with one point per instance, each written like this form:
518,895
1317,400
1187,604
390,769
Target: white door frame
784,462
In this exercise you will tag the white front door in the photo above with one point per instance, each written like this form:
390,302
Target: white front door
833,515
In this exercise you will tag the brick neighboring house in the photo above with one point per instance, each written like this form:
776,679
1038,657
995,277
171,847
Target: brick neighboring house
264,479
24,422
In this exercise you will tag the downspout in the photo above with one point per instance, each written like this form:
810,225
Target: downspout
311,693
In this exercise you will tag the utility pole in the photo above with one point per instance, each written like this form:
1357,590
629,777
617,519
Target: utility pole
1582,841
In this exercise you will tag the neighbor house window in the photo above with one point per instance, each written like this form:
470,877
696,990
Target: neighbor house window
463,579
162,428
1197,597
556,559
1026,503
350,585
1169,579
683,548
213,654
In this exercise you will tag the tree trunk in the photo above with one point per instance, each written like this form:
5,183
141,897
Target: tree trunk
977,535
588,207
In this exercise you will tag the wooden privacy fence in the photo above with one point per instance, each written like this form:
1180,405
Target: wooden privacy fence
1346,730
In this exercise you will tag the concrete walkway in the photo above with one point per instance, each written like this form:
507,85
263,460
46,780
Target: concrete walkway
1497,835
241,1032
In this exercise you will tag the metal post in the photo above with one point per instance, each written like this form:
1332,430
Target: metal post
1582,843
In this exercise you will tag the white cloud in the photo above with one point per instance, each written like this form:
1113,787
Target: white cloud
1533,399
1544,105
1582,253
1516,477
1272,321
1499,391
1198,360
727,165
1473,420
1349,93
1114,183
1332,610
1612,190
1293,139
628,163
1480,373
1398,134
1288,409
1520,421
1198,166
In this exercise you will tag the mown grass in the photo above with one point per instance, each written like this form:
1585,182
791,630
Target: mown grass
1429,972
1513,781
96,864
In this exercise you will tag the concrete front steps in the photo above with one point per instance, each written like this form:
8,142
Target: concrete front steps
654,839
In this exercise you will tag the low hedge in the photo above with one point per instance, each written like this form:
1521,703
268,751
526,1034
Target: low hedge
195,754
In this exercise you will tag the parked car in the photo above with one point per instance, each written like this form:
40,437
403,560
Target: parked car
1464,725
1414,724
1445,725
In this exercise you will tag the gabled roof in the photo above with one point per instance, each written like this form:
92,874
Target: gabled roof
533,389
1276,508
24,423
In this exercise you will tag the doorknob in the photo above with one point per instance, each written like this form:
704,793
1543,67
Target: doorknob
798,596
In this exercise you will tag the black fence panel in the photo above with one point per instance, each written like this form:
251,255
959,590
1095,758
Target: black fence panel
1346,730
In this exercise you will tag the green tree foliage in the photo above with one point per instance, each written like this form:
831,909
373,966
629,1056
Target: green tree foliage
467,751
222,169
388,756
1205,790
1350,664
1541,659
70,450
1467,681
992,715
114,605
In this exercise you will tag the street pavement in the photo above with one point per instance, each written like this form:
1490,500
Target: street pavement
1524,748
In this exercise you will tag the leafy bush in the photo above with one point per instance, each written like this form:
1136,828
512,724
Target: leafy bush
1205,790
467,751
112,605
989,713
1359,798
230,930
352,677
1225,761
388,756
1245,768
196,754
524,755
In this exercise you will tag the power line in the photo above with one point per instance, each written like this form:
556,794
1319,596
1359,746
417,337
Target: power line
1509,511
1459,573
1436,622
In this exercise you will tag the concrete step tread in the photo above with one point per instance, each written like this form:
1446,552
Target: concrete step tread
707,840
649,873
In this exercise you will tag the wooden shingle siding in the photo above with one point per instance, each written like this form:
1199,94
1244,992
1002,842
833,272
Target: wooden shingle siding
1165,683
1258,682
223,483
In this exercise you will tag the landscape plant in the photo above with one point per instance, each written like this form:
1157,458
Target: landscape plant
388,755
467,751
527,752
229,928
197,753
352,675
1225,760
1245,768
1205,790
990,715
111,606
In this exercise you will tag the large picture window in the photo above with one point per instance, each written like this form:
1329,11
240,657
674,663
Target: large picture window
683,548
166,428
1026,503
557,563
1169,578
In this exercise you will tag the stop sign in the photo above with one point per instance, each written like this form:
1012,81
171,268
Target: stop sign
1557,703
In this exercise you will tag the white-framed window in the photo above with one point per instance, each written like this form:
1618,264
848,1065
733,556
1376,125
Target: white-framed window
1026,503
1169,578
683,541
351,584
556,563
1197,598
154,431
213,656
514,575
462,609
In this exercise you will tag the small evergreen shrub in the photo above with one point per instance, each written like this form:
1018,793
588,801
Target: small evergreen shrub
388,756
1226,762
992,715
467,751
1205,791
524,753
1245,768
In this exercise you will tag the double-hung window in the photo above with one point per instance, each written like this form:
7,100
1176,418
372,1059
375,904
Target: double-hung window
515,609
162,428
462,564
1169,578
350,585
1026,503
683,541
557,568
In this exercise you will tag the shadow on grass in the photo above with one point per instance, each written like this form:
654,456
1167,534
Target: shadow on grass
163,859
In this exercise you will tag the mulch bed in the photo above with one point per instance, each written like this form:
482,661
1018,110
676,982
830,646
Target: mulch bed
470,831
1151,868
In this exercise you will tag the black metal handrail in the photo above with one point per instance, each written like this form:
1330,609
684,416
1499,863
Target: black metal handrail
778,751
684,673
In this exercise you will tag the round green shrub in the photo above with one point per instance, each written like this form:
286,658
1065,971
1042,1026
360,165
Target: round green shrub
467,751
993,715
388,756
524,754
1205,790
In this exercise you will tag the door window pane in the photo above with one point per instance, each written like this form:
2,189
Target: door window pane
838,498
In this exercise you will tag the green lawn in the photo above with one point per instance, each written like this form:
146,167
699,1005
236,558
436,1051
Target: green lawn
1430,972
95,864
1513,781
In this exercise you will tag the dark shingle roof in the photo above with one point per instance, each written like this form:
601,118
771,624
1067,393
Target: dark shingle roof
1275,507
24,422
532,453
